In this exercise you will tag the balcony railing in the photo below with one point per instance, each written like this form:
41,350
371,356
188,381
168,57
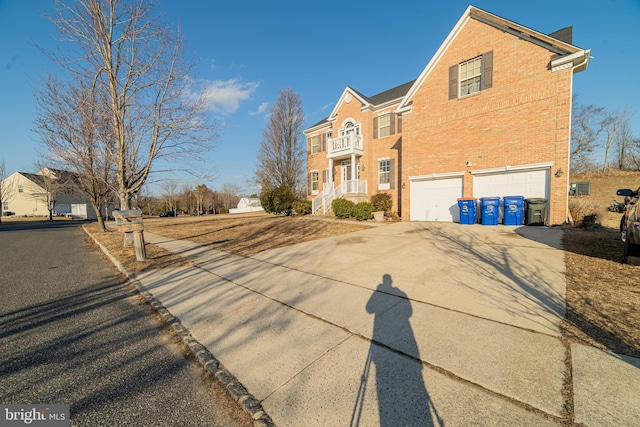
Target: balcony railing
347,144
355,186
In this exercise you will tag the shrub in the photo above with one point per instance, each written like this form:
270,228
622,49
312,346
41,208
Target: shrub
581,208
342,208
382,202
278,201
301,207
362,211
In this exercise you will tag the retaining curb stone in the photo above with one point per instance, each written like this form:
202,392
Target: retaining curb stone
212,365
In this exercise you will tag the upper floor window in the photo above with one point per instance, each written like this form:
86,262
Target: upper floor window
471,76
20,188
470,73
384,125
315,144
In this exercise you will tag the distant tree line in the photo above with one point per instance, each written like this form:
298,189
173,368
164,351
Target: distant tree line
189,200
602,140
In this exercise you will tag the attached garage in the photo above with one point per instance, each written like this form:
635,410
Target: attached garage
435,197
528,181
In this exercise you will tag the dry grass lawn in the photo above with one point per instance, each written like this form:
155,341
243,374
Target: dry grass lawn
603,295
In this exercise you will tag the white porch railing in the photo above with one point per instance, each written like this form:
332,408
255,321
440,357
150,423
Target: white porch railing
329,194
345,144
354,186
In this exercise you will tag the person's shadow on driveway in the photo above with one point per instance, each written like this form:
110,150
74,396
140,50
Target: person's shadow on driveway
401,392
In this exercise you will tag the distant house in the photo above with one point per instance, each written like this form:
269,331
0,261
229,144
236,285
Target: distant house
247,204
30,195
490,115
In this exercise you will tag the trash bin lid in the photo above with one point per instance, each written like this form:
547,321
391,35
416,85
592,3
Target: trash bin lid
536,201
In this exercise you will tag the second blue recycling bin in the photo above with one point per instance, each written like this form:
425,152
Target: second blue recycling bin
467,207
490,207
513,210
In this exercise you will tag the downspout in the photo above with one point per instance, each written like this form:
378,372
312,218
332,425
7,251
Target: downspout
587,54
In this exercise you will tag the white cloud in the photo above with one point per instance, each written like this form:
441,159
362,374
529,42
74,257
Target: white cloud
225,96
263,108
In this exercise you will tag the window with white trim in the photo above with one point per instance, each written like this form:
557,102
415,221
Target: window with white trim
314,182
315,144
384,125
384,174
470,73
5,206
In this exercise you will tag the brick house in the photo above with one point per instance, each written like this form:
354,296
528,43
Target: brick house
490,115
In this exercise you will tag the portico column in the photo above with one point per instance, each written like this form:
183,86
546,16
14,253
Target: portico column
353,167
330,172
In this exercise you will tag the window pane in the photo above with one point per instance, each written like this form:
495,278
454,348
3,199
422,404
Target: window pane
384,125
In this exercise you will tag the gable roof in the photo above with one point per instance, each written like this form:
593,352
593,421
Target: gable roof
569,55
380,99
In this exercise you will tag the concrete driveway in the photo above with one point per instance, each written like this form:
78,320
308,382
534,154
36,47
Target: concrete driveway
404,324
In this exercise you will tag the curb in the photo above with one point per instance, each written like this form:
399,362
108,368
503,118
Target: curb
235,389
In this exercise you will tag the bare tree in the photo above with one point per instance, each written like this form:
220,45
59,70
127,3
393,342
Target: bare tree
281,156
72,125
200,192
6,189
626,147
122,50
587,125
612,124
169,190
229,196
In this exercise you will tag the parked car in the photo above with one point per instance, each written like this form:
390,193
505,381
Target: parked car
169,213
630,224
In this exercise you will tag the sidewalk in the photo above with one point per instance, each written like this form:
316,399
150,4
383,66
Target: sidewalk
407,324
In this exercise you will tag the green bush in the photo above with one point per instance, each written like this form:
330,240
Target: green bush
362,211
382,202
301,207
278,201
343,208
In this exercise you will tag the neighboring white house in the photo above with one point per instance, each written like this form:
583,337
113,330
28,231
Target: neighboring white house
247,204
30,195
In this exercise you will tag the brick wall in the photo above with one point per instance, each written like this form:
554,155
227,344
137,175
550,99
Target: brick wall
523,119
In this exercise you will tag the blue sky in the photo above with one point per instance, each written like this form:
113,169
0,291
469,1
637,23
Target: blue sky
247,51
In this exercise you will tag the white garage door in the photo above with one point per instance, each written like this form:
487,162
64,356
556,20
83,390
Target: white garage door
435,199
531,183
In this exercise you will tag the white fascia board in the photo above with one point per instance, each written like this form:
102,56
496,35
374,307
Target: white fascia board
346,91
436,57
433,176
317,128
578,60
508,168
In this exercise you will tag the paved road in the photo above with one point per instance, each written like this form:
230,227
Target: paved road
71,332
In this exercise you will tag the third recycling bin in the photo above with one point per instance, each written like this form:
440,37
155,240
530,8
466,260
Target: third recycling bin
535,211
490,208
513,210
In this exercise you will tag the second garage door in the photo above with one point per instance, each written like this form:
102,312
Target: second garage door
530,183
435,199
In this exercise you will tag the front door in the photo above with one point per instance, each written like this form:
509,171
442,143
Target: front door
345,176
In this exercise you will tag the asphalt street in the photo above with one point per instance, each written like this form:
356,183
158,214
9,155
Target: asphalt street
72,332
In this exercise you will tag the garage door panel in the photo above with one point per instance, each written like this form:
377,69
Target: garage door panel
523,183
436,200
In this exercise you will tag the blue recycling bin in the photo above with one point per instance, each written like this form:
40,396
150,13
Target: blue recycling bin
467,207
490,210
513,210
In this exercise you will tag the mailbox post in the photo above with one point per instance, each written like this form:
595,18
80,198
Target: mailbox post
130,221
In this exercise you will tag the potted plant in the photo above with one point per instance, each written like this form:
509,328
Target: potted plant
382,204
